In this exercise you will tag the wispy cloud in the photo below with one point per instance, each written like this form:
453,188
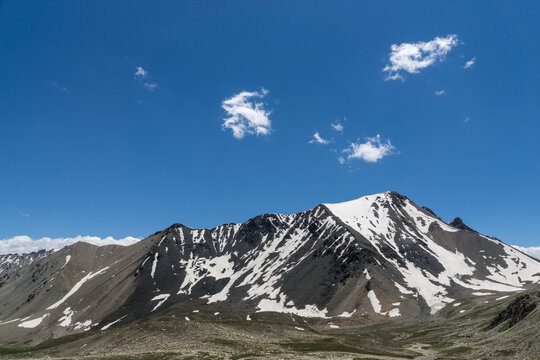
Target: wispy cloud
151,86
413,57
371,150
469,63
59,87
23,214
25,244
467,119
337,126
246,115
140,73
533,251
317,139
440,92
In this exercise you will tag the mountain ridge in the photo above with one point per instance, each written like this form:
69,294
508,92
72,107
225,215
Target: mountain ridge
373,259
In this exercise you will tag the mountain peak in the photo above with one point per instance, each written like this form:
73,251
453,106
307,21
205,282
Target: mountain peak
459,224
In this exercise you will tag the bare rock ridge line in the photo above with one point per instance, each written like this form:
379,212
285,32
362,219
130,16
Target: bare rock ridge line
375,259
12,262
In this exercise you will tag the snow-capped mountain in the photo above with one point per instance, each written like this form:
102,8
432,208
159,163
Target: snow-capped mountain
377,258
12,262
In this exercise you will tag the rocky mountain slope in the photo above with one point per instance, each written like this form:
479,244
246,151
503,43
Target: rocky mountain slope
12,262
376,259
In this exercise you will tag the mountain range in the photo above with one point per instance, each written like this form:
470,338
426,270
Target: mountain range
376,259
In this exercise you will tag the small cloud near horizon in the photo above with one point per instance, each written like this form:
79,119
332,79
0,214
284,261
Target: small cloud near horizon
440,92
533,251
25,244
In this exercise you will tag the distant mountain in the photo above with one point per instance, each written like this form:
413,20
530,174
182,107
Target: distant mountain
377,258
12,262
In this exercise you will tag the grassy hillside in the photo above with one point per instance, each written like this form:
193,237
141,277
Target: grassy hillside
465,331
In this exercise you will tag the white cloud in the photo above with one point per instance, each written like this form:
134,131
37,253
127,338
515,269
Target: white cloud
372,150
412,57
440,92
467,119
318,139
59,87
140,73
533,251
151,86
246,115
337,126
469,63
23,214
25,244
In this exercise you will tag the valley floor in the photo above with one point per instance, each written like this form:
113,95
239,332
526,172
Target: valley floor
189,331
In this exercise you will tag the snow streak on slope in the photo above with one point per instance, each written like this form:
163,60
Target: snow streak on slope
76,287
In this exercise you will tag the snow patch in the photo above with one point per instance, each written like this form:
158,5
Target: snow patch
68,257
30,324
112,323
375,304
9,321
367,274
347,314
162,298
154,265
65,320
307,311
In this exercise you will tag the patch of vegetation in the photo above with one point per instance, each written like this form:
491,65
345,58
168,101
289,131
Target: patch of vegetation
516,311
324,345
457,350
505,352
246,356
505,326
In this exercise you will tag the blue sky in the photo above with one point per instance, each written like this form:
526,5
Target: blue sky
91,145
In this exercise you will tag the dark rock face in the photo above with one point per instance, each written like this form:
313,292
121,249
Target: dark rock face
516,311
459,224
429,210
